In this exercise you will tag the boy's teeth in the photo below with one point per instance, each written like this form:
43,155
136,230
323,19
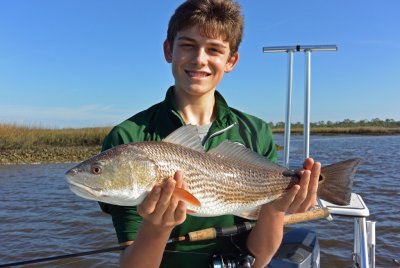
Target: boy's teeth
197,74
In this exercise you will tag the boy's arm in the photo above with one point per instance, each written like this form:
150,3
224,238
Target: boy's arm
161,212
266,237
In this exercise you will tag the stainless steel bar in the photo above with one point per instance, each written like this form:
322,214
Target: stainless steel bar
371,242
288,120
307,101
291,49
361,250
364,263
356,244
299,48
364,241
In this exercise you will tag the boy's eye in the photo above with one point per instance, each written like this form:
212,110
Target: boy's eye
186,45
216,51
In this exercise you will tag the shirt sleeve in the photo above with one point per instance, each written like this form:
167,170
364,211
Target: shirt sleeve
270,147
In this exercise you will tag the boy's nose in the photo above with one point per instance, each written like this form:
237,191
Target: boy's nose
200,57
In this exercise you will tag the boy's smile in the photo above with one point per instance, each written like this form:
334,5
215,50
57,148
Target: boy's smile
198,62
197,74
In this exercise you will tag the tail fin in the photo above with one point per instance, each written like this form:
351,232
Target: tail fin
337,181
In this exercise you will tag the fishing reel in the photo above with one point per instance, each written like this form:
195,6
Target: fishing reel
231,261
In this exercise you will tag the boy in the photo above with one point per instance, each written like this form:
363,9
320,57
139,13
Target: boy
202,44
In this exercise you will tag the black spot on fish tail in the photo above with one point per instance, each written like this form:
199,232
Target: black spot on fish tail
289,173
295,178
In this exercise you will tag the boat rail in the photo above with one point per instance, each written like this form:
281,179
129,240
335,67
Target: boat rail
364,231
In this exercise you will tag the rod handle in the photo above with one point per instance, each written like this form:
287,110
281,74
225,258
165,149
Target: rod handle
209,233
315,214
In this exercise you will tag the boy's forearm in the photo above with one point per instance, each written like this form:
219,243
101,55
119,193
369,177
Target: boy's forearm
266,237
148,248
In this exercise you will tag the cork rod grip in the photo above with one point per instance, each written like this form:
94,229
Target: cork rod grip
315,214
211,233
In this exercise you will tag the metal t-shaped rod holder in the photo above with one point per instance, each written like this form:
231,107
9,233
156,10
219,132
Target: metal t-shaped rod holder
361,244
290,50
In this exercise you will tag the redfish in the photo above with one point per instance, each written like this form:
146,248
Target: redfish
229,179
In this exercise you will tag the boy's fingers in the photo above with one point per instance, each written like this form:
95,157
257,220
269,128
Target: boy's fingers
283,203
290,196
314,179
184,185
302,193
308,163
167,190
307,196
169,214
178,177
180,212
311,198
149,203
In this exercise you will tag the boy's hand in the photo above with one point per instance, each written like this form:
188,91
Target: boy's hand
161,208
265,238
306,198
303,196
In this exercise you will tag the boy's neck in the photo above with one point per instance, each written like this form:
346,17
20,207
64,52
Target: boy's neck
196,110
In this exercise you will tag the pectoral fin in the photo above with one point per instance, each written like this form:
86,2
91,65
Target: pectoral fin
187,197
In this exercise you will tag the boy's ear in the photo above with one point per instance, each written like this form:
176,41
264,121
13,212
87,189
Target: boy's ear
232,61
167,51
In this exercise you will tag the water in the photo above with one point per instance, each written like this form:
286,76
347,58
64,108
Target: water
40,217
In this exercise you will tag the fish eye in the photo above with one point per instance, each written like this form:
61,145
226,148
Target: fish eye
95,169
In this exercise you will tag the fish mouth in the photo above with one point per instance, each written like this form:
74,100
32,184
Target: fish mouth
83,190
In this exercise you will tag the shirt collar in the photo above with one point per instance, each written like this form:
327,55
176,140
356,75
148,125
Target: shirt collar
224,117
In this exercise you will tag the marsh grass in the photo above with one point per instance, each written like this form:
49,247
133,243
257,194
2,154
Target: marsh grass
24,137
13,136
31,144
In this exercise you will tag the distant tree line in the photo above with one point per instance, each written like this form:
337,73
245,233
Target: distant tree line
376,122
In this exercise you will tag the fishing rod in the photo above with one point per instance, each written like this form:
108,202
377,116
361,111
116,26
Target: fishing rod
214,232
66,256
205,234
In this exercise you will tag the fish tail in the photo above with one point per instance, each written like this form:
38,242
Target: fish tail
336,181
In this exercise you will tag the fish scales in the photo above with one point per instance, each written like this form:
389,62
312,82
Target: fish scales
216,181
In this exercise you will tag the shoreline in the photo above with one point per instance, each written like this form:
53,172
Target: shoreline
50,154
367,131
47,155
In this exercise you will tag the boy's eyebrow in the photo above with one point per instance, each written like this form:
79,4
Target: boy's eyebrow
187,38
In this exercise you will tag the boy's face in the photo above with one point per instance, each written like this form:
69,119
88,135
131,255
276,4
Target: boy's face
198,62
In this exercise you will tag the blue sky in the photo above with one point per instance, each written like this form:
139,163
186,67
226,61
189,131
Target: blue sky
70,63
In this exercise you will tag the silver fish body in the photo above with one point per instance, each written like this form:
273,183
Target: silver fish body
229,179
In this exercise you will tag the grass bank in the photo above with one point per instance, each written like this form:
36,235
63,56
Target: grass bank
25,144
354,130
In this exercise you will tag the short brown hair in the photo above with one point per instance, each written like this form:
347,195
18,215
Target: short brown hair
215,19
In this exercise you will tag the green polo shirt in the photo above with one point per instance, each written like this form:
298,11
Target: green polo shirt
154,124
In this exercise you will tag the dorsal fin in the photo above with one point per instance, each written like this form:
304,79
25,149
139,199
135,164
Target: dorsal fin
238,151
187,136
